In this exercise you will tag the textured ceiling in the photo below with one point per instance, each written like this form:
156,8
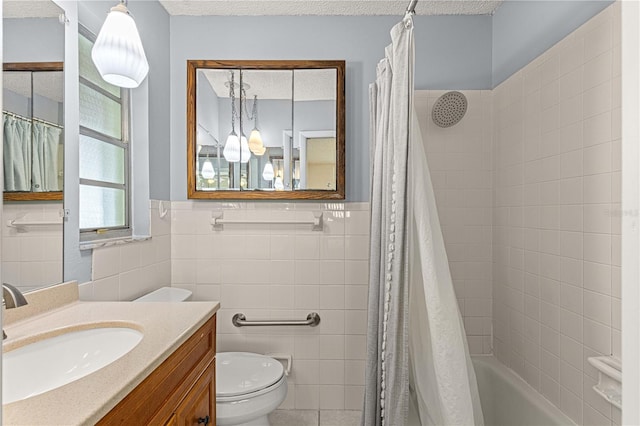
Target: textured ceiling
30,9
46,84
327,7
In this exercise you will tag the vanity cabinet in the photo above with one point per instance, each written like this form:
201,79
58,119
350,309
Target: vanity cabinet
181,391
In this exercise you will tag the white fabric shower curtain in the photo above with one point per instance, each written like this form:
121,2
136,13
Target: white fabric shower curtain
415,334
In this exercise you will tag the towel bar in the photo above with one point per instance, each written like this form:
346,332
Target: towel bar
239,320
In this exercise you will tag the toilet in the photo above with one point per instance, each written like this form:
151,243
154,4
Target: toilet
166,294
248,386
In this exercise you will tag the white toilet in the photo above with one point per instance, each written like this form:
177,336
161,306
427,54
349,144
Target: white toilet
166,294
248,387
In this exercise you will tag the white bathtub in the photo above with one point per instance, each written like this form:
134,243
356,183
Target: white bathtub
507,400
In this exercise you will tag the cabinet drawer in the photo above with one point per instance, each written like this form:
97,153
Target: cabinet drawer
155,399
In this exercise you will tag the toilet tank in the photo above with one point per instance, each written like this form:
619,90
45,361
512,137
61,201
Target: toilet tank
166,294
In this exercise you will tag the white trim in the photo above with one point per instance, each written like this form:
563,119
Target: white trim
630,220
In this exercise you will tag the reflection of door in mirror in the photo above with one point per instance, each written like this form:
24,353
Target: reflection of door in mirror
33,115
321,163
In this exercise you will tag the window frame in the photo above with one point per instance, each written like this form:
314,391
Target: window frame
108,232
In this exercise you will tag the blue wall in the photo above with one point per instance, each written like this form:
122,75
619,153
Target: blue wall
451,52
522,30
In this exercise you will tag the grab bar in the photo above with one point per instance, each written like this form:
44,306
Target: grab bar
239,320
218,222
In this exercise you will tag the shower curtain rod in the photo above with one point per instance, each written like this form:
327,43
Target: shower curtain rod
411,9
39,120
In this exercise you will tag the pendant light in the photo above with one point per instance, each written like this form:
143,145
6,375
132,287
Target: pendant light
118,53
278,184
267,173
207,171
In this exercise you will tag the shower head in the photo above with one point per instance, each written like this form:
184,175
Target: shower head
449,109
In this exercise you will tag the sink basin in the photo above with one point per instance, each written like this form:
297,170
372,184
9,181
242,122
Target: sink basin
55,361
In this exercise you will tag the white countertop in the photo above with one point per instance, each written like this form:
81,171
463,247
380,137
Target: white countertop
165,326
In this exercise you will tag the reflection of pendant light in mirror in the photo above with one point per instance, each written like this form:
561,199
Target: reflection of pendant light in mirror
245,153
255,138
118,53
207,170
235,149
278,184
267,173
231,151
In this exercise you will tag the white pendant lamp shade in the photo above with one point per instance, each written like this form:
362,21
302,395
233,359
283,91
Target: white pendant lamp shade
267,173
207,170
244,150
255,142
231,150
118,53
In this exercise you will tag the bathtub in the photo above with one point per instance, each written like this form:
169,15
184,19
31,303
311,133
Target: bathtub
506,399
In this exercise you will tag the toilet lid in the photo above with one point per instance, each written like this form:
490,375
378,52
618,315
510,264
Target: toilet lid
239,373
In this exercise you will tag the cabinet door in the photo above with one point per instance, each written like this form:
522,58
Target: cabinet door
199,406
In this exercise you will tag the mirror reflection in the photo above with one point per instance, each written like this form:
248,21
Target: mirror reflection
32,117
33,144
266,130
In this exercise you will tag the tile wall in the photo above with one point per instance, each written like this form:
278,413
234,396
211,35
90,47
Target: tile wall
284,272
556,234
460,162
32,256
127,271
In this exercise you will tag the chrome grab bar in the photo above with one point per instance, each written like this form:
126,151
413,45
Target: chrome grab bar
239,320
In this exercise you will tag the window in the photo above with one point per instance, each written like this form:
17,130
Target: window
104,151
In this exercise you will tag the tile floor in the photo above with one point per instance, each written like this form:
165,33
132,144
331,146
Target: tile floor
315,418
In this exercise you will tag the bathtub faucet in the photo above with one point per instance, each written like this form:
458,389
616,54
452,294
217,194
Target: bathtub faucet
11,298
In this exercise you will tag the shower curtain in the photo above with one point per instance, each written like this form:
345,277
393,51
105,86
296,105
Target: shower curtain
415,335
16,154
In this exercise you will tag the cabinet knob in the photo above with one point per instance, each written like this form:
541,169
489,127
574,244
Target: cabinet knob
204,420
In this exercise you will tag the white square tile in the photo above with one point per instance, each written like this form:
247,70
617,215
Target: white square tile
331,296
597,336
597,248
129,257
597,307
307,397
106,262
306,297
332,372
331,397
597,277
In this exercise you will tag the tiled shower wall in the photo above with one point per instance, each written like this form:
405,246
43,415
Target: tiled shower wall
32,256
460,159
284,272
556,234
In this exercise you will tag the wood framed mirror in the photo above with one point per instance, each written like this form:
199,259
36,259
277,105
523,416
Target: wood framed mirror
266,129
33,114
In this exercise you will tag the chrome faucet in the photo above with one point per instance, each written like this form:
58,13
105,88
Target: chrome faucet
11,298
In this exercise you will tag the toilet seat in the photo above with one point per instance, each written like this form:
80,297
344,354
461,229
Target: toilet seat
241,375
242,397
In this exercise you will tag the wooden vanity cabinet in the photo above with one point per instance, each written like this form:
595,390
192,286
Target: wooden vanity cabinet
181,391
